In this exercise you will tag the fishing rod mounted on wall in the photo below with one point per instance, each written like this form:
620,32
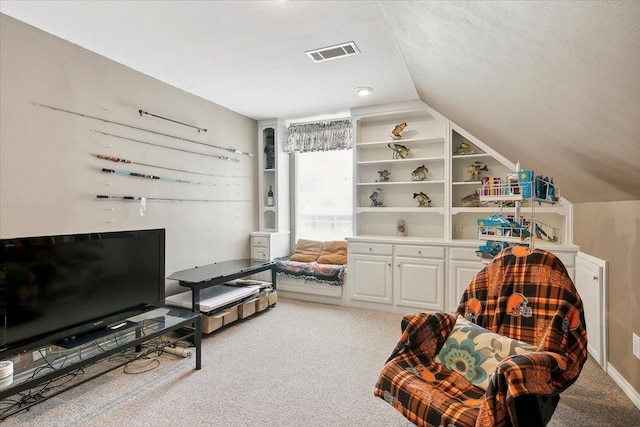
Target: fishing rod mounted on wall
127,161
167,199
142,175
142,112
215,156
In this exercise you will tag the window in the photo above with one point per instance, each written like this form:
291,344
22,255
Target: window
324,195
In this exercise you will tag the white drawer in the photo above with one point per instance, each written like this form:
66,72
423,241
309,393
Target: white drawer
260,241
420,251
464,254
371,248
261,254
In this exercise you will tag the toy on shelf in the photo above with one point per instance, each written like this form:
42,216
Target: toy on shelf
490,186
423,200
376,197
399,151
497,227
396,133
490,249
419,173
545,190
384,176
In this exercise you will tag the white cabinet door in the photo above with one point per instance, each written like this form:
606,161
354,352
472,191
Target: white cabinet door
419,283
370,278
460,274
590,283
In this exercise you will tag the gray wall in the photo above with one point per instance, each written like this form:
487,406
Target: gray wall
611,231
49,175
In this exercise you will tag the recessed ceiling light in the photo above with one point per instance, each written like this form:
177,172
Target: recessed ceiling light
364,91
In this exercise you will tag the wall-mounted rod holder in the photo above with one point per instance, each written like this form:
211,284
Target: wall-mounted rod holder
231,150
142,112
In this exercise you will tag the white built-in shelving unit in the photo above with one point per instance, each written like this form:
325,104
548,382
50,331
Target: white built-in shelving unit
273,174
430,267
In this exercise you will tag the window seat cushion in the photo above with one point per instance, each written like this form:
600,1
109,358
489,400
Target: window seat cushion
332,274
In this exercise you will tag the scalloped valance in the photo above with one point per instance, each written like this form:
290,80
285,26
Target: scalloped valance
320,136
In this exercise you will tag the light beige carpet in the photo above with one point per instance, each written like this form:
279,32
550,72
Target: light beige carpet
297,364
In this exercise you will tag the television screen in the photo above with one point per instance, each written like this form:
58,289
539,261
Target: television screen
53,284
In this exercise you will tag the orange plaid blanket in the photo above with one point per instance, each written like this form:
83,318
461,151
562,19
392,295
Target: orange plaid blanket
526,295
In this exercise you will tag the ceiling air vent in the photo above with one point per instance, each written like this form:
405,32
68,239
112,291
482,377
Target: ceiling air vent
333,52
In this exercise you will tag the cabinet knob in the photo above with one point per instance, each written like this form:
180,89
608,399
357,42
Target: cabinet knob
419,252
389,264
398,264
595,277
370,249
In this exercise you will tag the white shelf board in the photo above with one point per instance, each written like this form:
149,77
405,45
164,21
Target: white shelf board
466,183
385,209
391,183
397,161
470,156
412,141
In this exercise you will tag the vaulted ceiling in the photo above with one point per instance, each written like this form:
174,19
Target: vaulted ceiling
555,85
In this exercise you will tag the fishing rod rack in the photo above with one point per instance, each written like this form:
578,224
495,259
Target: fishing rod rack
88,116
140,175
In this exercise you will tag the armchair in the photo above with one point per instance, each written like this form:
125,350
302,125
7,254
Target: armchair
516,341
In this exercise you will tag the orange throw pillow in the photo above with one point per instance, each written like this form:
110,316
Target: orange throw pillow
334,252
306,251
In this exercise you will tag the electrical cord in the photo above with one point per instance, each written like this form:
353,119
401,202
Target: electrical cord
137,364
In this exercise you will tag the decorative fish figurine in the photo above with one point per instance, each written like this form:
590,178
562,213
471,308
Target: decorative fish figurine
396,133
472,200
399,150
423,200
475,169
464,149
420,173
376,198
384,176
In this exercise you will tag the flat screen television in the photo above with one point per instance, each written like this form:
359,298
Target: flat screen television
53,287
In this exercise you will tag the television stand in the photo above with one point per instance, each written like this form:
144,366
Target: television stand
199,278
34,369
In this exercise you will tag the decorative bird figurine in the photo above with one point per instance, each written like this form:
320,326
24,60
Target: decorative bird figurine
399,150
420,173
423,200
396,133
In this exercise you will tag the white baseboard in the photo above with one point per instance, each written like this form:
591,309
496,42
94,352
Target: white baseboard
624,385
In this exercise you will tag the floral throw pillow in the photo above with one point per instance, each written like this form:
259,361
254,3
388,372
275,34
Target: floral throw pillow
475,352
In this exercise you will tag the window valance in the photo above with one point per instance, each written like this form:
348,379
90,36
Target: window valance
320,136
